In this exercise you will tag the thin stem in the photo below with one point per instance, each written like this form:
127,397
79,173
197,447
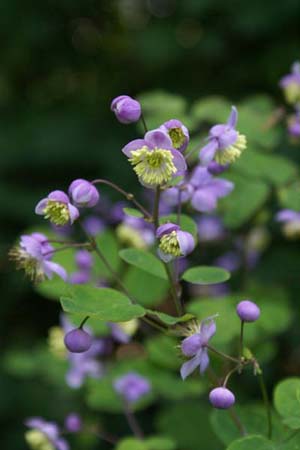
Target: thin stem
241,340
144,123
107,437
223,355
267,404
155,215
67,247
174,293
231,372
84,321
130,197
235,418
132,422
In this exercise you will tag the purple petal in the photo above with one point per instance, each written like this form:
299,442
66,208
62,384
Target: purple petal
73,211
166,228
207,330
204,200
220,187
32,246
61,444
133,145
200,177
188,367
59,196
232,120
191,345
207,153
186,242
287,215
204,360
179,162
158,139
39,209
51,267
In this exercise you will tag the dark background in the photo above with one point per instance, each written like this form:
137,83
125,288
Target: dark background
62,61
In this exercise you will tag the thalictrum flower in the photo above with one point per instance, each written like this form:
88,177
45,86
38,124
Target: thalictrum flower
57,208
225,143
93,225
73,423
132,386
33,255
291,222
135,232
126,109
294,126
195,346
154,159
173,242
178,133
291,84
83,193
208,189
44,435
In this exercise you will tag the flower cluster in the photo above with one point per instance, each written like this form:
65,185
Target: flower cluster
290,84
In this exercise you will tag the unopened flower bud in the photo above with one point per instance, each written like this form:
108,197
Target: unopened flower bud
221,398
83,193
126,109
78,341
248,311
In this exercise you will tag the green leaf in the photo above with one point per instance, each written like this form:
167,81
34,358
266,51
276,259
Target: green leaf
246,199
289,196
145,261
163,351
105,303
287,401
135,281
52,289
186,223
252,442
108,245
131,443
170,320
212,109
205,275
160,443
133,212
275,169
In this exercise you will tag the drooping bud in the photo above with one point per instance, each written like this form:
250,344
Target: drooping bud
126,109
83,193
221,398
78,341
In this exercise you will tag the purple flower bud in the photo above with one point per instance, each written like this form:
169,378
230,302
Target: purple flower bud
132,387
126,109
78,341
73,423
93,225
84,259
221,398
248,311
83,193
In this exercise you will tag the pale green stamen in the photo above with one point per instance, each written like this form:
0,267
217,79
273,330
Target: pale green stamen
169,244
177,136
292,229
153,167
292,93
129,236
37,440
233,152
57,212
24,261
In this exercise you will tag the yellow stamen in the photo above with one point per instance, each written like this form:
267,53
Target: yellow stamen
57,212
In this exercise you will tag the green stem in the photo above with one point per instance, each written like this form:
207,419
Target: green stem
130,197
84,321
267,404
231,372
144,123
223,355
174,290
155,215
132,422
241,340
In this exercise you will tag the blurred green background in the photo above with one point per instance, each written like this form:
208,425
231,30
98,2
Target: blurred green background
62,61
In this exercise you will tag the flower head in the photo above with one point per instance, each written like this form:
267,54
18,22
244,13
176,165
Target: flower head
225,144
83,193
291,222
57,208
248,311
173,242
221,398
195,346
33,255
293,124
207,189
178,133
154,159
44,435
78,341
126,109
73,423
135,232
132,386
291,84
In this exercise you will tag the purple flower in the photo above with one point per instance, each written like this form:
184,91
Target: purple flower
135,232
33,255
248,311
195,346
210,228
178,133
215,168
73,423
291,84
126,109
291,222
207,189
93,225
173,242
132,387
294,126
154,159
80,277
44,435
57,208
173,195
84,259
221,398
225,144
78,341
83,193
